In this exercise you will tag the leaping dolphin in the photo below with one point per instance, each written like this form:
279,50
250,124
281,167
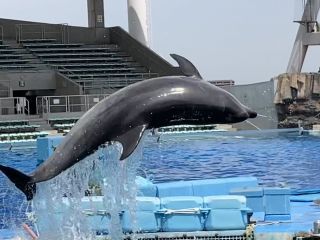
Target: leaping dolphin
126,114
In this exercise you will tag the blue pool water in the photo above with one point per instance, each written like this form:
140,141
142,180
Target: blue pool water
289,160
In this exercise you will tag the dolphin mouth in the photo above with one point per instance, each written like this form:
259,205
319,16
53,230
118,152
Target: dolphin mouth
248,113
243,116
252,114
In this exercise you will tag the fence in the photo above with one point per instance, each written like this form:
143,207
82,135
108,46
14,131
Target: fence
67,104
14,106
60,32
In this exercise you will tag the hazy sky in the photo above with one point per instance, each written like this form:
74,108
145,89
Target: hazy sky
244,40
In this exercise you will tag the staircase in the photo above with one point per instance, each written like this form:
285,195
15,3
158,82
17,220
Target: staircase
44,125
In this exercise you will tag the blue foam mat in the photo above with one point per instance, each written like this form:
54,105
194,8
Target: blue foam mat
303,214
6,234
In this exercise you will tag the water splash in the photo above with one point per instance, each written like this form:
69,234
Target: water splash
253,125
267,117
13,209
260,115
59,203
123,189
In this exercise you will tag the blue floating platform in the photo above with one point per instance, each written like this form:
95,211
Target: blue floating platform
6,234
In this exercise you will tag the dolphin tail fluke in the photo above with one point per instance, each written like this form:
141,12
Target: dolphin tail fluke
21,180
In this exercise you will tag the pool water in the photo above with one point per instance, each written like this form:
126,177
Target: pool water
285,160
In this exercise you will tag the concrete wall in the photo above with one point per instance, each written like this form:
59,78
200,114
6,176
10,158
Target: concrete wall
57,31
13,117
259,97
88,35
65,86
145,56
30,80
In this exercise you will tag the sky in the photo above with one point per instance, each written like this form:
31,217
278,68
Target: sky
247,41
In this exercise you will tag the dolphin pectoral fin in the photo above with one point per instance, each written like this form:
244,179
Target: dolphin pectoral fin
186,67
21,180
130,140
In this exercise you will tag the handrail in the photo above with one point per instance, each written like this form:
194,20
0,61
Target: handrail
27,107
125,76
1,34
65,33
67,103
20,31
41,31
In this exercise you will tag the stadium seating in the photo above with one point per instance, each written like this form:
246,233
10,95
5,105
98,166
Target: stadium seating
53,121
62,125
15,58
92,66
18,130
38,40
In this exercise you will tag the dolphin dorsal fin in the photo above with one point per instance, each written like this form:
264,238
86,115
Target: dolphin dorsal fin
186,67
130,140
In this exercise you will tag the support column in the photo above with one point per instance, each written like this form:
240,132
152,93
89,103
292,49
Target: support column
95,13
139,20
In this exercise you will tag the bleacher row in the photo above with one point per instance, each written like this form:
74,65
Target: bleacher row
12,58
18,130
62,125
92,66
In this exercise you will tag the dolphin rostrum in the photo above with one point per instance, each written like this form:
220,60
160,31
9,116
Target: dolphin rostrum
126,114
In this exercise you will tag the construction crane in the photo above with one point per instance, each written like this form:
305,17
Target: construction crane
308,34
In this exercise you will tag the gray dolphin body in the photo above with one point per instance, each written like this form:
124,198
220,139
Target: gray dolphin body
126,114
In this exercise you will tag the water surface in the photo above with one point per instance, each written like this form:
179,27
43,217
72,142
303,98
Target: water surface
285,160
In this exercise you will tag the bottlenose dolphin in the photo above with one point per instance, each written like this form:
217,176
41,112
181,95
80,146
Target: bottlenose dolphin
127,113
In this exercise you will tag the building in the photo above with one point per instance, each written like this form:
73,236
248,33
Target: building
221,83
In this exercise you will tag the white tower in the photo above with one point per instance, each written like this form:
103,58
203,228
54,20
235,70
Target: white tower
139,20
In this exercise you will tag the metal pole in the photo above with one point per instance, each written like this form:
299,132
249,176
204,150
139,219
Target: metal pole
43,31
67,104
49,106
28,104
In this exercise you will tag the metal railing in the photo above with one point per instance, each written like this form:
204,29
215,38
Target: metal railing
91,82
67,104
1,34
14,106
107,84
125,76
60,32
